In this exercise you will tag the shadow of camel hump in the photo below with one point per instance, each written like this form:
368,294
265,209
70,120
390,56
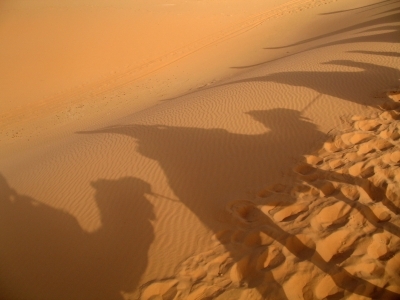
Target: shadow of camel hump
378,36
385,2
46,255
206,168
380,53
335,83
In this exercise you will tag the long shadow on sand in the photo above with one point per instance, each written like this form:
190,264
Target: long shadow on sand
335,83
365,78
207,168
383,29
45,254
385,23
379,53
374,5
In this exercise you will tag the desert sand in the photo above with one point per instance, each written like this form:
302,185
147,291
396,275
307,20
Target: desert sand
200,149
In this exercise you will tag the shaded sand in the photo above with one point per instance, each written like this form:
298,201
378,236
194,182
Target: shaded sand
176,160
333,234
51,247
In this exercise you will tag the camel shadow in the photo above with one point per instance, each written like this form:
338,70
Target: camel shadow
46,255
385,2
385,23
384,29
335,83
207,168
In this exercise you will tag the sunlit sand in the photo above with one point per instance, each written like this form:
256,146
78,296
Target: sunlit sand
206,149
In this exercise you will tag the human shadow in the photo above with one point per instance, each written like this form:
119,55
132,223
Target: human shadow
380,53
207,168
388,11
361,7
385,30
45,254
335,83
380,24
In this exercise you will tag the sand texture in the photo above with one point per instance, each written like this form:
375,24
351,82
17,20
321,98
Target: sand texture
200,149
333,234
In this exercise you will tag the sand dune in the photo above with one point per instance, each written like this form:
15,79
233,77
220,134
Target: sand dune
333,234
167,150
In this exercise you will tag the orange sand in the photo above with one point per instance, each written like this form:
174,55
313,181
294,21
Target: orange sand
186,149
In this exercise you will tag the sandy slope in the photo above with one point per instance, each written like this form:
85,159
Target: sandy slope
116,186
334,234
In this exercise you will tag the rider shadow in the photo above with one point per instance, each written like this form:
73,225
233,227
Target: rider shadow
46,255
384,2
207,168
385,23
336,83
379,53
384,30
